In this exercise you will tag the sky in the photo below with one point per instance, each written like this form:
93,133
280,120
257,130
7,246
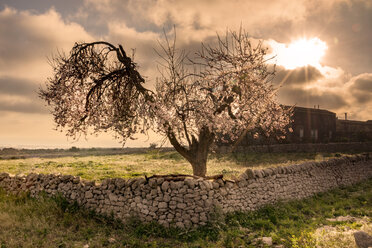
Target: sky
321,48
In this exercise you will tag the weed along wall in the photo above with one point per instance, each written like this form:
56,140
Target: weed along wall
187,202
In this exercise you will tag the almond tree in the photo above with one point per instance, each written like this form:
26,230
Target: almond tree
97,87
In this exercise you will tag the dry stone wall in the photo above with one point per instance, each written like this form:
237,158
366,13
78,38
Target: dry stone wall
187,202
302,147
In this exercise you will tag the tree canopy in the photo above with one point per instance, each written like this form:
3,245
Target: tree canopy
226,90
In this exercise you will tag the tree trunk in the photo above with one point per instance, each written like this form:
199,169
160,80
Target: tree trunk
198,159
197,154
199,168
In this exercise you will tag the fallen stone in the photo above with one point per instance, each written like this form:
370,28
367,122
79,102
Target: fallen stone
111,240
267,240
363,240
343,219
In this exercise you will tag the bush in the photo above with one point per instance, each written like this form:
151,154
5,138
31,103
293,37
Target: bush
74,149
153,145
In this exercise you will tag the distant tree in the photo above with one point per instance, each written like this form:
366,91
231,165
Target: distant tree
228,87
153,145
74,149
9,150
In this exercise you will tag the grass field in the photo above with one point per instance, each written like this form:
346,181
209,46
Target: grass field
52,222
151,162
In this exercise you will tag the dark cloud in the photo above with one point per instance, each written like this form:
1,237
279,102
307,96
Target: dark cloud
298,76
20,95
25,42
30,38
362,97
361,88
148,50
347,31
64,7
310,98
21,42
363,83
15,86
27,107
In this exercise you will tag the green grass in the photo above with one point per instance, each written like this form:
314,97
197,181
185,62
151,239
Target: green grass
296,219
53,222
152,162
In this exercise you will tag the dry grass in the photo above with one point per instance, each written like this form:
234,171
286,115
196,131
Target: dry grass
341,235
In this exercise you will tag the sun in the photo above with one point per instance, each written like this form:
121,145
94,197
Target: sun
299,53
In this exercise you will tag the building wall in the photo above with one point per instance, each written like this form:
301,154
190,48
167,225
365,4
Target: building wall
309,125
188,202
350,130
312,125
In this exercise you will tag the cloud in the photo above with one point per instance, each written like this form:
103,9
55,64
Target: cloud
200,18
20,95
346,29
16,86
147,46
311,97
142,43
340,94
22,105
361,88
363,82
28,39
298,76
309,86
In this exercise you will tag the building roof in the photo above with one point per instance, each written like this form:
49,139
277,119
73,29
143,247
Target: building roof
313,111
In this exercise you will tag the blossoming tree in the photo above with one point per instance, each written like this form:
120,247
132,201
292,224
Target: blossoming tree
97,87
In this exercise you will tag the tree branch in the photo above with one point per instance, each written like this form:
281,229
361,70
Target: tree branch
179,148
